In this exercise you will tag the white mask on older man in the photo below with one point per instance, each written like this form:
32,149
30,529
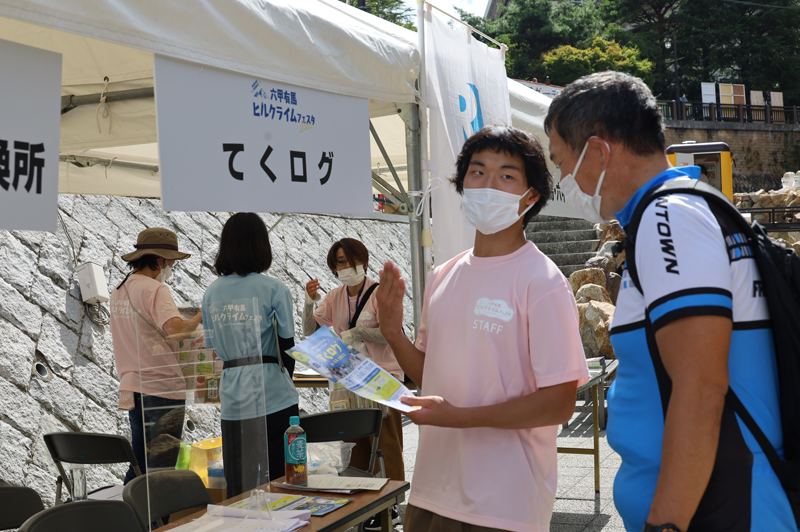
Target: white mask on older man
587,206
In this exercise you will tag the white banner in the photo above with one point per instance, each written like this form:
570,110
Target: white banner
30,118
467,90
528,111
558,206
229,142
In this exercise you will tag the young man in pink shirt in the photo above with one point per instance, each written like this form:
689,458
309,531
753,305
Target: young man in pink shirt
498,356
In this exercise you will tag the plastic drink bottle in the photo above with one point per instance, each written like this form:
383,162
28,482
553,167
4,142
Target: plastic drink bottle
294,448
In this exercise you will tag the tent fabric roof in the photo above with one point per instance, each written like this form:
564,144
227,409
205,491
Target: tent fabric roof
311,43
321,44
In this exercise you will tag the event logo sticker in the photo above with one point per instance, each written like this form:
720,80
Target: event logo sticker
494,308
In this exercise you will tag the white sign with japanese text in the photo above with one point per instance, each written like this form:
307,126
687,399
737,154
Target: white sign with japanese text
229,142
30,122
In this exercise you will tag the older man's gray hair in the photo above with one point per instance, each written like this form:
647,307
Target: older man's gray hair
614,105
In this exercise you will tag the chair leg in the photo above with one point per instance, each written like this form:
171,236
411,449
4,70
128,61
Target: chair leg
380,462
596,439
59,483
601,406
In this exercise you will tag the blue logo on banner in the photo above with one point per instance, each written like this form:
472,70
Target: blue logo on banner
477,121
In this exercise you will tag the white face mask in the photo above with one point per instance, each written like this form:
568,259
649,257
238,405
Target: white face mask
164,274
490,210
352,276
587,206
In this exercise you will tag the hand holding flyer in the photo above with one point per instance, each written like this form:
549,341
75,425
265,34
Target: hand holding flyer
329,356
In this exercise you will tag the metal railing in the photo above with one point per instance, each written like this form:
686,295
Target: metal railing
763,114
774,218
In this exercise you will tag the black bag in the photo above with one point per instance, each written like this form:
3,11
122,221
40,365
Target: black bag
779,268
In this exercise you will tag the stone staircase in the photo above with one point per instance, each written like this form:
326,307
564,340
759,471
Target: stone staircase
569,242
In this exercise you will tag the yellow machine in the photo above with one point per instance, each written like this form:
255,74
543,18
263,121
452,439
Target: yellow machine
714,159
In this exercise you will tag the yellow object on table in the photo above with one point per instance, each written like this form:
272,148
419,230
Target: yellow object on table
202,453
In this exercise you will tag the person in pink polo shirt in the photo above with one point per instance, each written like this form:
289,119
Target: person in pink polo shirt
498,356
347,259
145,329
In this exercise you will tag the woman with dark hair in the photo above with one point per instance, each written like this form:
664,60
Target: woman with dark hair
145,326
347,260
242,309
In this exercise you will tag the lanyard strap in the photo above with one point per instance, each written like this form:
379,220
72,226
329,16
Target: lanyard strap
360,307
349,315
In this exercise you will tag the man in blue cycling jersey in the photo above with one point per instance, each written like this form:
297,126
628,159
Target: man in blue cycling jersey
699,325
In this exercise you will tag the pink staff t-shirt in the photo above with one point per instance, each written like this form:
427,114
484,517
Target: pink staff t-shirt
335,313
494,329
146,362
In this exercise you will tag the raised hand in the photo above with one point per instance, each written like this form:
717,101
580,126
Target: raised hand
312,287
390,295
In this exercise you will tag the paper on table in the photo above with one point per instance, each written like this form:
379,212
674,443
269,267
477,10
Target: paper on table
276,525
282,504
304,371
327,354
232,511
208,523
346,484
114,493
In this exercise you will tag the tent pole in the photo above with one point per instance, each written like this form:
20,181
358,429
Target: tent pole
390,193
70,102
82,162
410,115
388,161
427,236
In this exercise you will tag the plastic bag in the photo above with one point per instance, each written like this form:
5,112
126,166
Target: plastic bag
332,454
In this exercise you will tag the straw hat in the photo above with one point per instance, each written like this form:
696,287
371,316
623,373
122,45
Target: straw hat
157,241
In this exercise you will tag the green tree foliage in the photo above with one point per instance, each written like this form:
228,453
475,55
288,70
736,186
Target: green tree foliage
755,46
532,27
652,15
646,25
716,41
394,11
567,63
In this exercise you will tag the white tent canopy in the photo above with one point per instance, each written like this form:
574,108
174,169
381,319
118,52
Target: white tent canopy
321,44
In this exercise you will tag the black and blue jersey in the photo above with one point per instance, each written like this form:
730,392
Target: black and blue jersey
692,261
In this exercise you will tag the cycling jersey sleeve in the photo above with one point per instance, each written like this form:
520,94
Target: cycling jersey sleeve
682,261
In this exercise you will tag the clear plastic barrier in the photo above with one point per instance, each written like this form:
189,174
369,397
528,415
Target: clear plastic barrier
203,400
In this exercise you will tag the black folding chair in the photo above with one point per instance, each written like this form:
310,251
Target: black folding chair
87,448
84,516
348,425
169,492
18,505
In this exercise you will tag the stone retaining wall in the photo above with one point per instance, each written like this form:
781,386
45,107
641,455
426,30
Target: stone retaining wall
763,152
42,318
